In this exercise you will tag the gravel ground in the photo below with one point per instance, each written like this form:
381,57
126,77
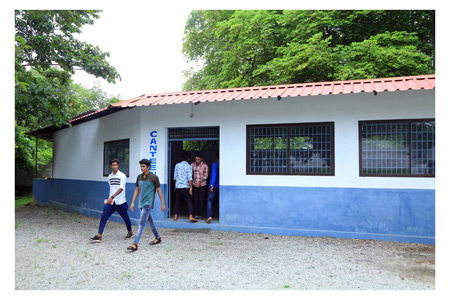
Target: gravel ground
53,252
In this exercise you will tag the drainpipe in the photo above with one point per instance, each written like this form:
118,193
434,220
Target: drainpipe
36,158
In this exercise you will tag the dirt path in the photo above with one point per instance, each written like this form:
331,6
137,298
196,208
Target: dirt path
53,252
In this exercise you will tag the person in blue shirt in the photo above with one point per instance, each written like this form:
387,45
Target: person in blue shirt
213,190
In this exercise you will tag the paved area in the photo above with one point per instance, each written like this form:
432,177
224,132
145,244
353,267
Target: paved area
53,252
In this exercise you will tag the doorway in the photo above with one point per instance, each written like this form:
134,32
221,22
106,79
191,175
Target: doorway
192,140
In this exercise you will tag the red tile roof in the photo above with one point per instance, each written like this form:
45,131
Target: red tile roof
422,82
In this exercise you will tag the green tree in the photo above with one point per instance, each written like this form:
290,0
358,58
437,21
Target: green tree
249,48
47,53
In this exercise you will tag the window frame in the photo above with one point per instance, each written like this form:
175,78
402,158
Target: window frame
104,156
385,121
332,154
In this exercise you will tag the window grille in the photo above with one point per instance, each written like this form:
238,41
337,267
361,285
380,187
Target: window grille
397,148
119,149
302,149
194,133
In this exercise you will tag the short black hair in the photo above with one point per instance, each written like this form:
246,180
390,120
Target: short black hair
114,160
186,156
198,154
144,161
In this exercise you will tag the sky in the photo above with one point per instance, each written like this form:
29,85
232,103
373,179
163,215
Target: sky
145,47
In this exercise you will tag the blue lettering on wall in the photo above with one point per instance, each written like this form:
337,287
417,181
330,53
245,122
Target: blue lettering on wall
153,149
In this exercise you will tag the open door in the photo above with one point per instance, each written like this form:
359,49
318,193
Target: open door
192,140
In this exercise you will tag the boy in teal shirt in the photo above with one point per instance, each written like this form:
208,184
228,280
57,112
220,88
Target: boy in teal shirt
147,184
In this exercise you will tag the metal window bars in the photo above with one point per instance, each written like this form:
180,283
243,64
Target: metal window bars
397,147
119,149
291,149
193,133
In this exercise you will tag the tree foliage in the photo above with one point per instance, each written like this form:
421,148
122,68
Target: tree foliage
46,38
264,47
47,53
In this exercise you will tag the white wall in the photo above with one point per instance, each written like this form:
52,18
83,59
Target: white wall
232,117
78,150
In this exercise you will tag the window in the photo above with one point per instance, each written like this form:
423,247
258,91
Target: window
291,149
397,148
116,149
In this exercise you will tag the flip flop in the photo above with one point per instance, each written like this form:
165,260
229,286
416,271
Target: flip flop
155,241
132,248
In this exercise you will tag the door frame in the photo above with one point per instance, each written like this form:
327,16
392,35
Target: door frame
169,158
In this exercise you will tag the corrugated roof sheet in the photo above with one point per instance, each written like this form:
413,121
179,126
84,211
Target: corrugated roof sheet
422,82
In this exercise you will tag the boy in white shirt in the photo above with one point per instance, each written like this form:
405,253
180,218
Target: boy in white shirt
116,201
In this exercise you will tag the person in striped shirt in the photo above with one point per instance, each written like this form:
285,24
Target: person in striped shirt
200,175
115,202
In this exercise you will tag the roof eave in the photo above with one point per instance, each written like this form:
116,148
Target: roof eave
46,133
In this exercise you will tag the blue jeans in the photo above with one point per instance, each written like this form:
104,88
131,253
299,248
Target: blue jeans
109,209
211,196
146,218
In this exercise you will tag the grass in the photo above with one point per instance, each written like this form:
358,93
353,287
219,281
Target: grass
21,201
83,253
286,286
42,241
76,218
34,265
18,224
126,275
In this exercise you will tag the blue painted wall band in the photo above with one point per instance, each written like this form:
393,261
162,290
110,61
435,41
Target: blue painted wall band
404,215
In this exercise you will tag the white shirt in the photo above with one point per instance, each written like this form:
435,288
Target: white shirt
182,175
117,181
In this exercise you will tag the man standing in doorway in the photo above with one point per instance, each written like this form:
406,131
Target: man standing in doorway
200,175
116,201
213,189
183,187
147,184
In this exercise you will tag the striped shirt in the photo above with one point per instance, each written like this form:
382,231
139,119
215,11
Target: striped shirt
117,181
200,173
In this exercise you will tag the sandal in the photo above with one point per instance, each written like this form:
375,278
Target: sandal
193,220
133,247
155,241
208,220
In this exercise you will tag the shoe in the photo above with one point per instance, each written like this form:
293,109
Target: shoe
96,239
129,235
208,220
175,217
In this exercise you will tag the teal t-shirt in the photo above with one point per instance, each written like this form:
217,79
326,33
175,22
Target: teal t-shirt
147,188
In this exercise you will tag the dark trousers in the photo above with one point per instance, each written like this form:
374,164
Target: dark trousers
209,204
109,209
181,194
199,194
